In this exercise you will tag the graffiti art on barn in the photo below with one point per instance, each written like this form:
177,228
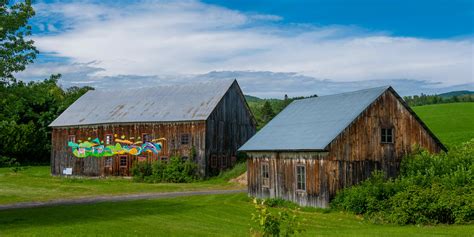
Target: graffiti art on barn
96,148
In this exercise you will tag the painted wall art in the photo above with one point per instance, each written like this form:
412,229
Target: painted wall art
96,148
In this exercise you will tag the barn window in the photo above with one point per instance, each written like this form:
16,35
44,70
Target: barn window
184,158
108,162
71,138
164,159
214,161
146,137
223,161
123,161
108,139
184,139
300,178
265,175
387,135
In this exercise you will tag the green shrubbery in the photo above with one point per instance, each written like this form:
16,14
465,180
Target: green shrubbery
430,189
176,170
284,222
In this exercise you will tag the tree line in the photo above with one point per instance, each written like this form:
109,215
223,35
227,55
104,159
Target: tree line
423,99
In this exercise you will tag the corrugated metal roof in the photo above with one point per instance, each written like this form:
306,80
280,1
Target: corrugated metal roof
311,124
193,101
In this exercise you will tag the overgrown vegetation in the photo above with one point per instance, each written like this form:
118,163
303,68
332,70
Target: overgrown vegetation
26,110
281,222
176,170
431,189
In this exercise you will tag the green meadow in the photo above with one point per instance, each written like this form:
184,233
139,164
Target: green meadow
212,215
452,123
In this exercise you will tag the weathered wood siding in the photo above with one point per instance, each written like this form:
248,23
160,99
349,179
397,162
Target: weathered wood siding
62,157
282,174
350,158
229,126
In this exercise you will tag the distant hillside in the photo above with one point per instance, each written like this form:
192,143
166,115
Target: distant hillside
250,98
456,93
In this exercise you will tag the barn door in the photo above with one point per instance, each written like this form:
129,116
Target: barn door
123,163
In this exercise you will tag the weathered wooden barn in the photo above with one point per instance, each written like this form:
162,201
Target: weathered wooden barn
318,146
106,131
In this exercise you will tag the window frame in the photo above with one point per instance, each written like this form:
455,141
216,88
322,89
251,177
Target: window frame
120,161
265,169
303,180
147,136
110,141
73,138
385,135
108,162
214,161
188,138
164,159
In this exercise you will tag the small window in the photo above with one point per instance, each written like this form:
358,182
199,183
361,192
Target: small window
108,139
108,162
387,135
146,137
214,161
164,159
224,161
184,158
300,178
265,175
71,138
123,161
184,139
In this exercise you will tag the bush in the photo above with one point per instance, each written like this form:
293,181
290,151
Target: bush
282,223
431,189
176,170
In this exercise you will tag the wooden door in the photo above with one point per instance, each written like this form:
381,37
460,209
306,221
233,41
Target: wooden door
124,164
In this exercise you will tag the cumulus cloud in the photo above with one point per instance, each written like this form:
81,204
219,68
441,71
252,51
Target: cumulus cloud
160,40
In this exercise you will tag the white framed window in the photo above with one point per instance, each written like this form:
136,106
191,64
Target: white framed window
265,175
108,139
386,135
300,178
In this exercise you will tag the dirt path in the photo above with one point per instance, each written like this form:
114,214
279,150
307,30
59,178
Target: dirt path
117,198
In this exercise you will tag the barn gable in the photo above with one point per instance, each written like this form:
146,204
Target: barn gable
188,102
312,124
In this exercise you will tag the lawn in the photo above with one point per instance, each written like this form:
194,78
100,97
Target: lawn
452,123
36,184
213,215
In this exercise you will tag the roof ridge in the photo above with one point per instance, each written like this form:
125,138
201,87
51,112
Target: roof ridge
346,93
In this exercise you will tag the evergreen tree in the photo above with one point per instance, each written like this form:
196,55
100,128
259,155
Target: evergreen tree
267,112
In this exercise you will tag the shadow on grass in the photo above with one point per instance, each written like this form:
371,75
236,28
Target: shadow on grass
93,213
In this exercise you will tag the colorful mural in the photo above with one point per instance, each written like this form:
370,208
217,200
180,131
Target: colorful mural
96,148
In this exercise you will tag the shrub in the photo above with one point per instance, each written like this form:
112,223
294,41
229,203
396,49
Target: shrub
431,189
176,170
282,223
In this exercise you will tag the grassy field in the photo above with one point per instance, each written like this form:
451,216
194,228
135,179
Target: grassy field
451,123
36,184
213,215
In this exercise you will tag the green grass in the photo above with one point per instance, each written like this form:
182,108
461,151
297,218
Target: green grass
452,123
212,215
36,184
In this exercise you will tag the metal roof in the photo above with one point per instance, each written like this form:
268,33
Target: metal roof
189,102
311,124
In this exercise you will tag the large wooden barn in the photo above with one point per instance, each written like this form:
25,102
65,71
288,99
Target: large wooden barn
106,131
318,146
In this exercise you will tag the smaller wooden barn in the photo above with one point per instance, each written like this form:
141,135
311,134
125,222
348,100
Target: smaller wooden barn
105,132
318,146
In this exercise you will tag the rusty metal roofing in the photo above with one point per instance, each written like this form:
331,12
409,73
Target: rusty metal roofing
186,102
311,124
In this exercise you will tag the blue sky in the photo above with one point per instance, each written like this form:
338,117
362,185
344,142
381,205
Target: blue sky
271,47
416,18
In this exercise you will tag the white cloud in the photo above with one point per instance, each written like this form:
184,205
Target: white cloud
153,38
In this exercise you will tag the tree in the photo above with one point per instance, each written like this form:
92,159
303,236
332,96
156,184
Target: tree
15,51
267,112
